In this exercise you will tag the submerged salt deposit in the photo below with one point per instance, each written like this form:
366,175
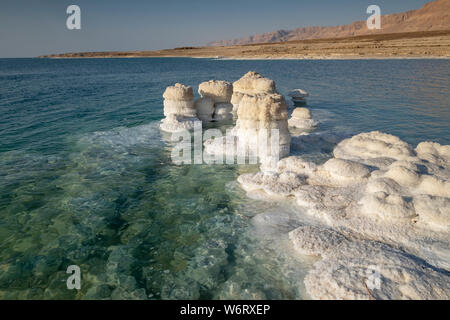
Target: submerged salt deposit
379,204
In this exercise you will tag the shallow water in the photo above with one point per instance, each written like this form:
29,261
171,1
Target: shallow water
86,176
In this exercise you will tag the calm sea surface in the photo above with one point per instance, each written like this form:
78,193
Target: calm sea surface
86,177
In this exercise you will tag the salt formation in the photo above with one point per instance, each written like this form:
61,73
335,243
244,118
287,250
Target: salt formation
220,92
298,95
179,108
205,108
261,128
373,145
350,269
250,84
301,119
388,207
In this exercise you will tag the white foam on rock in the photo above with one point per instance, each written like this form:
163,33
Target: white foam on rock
379,203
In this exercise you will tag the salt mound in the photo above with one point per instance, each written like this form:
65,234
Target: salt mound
373,145
434,152
387,206
311,240
381,197
364,269
301,119
346,171
223,111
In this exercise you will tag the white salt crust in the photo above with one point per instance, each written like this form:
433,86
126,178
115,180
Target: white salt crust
301,119
378,204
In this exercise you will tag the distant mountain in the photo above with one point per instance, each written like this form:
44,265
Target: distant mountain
432,16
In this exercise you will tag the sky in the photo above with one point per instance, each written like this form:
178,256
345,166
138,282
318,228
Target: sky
30,28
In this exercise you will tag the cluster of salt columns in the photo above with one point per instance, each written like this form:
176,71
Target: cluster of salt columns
182,113
261,128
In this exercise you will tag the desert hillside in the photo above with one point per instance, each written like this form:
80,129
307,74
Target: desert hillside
432,16
427,44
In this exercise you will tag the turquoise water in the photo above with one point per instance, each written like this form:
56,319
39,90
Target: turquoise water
86,177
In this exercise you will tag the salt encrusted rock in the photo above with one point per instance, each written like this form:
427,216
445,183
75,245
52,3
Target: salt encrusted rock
253,83
218,90
223,111
173,123
261,127
301,119
267,114
298,95
378,207
433,211
250,84
178,108
373,145
263,107
345,172
433,152
365,269
179,92
387,206
311,240
205,108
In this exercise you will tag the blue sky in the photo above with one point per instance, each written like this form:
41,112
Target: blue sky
31,28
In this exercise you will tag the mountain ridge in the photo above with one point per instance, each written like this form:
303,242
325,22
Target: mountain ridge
433,16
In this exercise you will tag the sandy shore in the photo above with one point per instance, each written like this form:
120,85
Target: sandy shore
433,44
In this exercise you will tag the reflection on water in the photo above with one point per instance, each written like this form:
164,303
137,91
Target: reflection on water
86,177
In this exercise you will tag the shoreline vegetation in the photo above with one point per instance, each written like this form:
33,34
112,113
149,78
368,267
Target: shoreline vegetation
410,45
